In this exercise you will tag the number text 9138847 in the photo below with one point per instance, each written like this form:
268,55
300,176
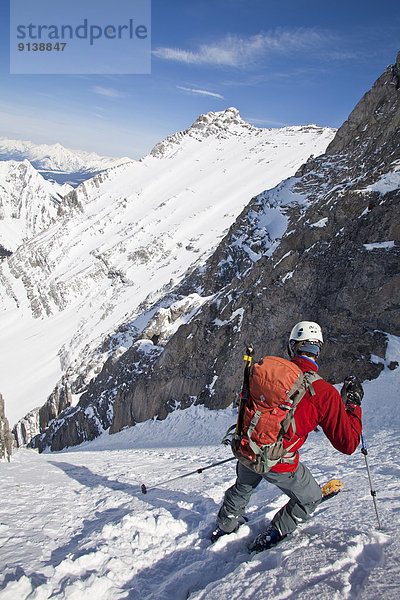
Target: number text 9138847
41,47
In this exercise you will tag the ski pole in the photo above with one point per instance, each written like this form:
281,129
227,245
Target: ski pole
373,492
145,489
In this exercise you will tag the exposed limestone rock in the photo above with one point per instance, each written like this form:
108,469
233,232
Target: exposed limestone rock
375,120
4,253
6,437
70,429
58,401
38,419
167,320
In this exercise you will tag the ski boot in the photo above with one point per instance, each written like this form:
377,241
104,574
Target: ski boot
265,540
217,533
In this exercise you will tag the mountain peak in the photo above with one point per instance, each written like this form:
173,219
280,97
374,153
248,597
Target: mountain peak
218,124
224,124
375,119
214,123
219,118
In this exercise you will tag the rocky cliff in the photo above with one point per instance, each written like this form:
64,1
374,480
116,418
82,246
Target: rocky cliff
39,419
6,437
323,245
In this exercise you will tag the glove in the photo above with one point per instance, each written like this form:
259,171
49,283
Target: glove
352,391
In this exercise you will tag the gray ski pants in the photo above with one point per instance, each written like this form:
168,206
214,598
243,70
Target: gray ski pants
301,487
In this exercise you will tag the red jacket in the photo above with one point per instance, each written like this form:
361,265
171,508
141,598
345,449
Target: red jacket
342,427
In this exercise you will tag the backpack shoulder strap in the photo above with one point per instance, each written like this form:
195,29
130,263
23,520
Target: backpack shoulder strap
309,378
304,385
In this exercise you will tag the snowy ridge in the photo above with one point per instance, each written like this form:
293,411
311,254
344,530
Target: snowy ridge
76,524
228,123
219,124
57,162
128,238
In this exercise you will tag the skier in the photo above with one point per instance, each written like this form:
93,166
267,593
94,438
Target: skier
339,419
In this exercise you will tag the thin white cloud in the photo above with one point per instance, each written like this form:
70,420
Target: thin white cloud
236,51
199,92
108,92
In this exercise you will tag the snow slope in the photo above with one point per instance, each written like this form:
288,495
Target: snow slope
133,233
57,163
74,524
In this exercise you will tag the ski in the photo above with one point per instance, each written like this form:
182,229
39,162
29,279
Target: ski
218,533
331,488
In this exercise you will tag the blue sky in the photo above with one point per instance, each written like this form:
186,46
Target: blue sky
279,62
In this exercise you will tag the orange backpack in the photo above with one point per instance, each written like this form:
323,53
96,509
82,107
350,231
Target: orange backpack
276,387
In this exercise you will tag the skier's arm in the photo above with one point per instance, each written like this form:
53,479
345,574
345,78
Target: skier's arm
342,427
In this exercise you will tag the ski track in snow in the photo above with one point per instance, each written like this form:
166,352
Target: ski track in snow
75,524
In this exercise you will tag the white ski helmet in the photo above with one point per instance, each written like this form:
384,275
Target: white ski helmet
306,336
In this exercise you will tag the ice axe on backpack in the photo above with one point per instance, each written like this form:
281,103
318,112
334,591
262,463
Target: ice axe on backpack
243,396
235,431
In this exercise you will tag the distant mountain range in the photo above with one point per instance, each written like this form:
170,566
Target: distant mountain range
57,163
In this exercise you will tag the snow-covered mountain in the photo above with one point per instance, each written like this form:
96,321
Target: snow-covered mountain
86,286
28,203
322,245
57,163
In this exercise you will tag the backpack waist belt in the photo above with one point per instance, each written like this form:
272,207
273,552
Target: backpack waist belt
287,458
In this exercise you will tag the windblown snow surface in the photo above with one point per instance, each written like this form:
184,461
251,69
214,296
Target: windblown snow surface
75,524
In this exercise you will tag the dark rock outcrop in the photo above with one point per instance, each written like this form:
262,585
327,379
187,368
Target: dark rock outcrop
6,437
4,253
56,403
375,120
39,419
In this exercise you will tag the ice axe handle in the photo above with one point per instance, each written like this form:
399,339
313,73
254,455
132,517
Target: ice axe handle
249,354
